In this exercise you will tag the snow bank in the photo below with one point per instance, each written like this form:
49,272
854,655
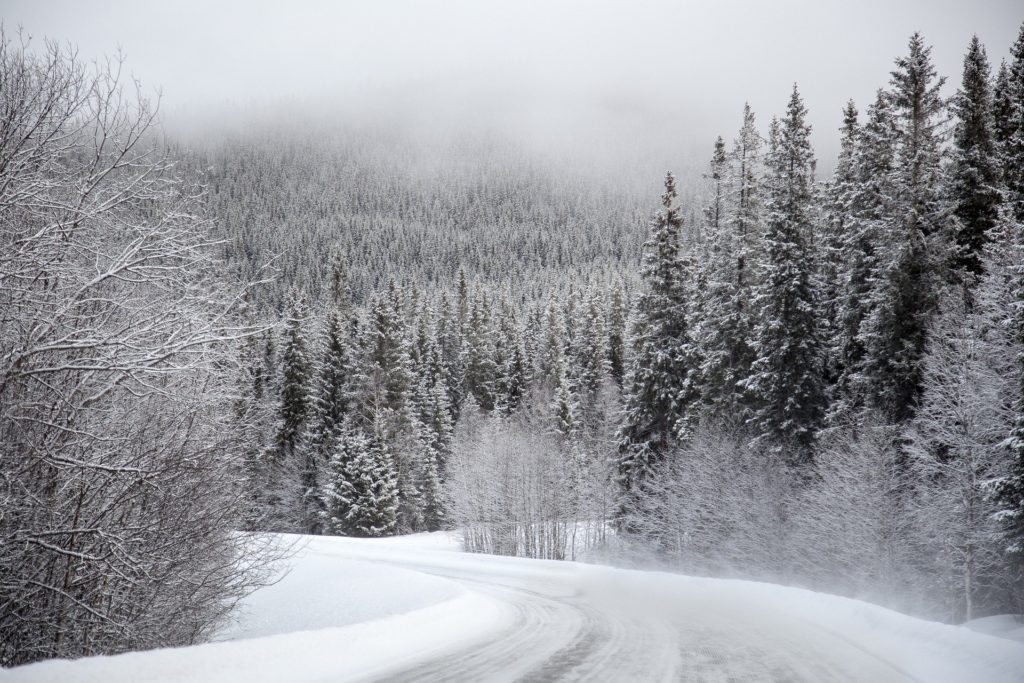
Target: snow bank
361,651
329,616
1008,626
322,590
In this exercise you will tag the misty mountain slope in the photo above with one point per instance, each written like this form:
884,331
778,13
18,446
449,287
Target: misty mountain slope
417,210
428,612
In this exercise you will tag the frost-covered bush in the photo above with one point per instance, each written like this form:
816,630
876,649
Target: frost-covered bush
120,475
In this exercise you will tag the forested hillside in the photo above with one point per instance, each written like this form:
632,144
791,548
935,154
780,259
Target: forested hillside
417,210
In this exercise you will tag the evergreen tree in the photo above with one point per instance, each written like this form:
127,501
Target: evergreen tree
568,417
904,295
1002,114
333,397
745,213
511,362
662,387
837,225
617,315
1010,128
726,278
341,288
863,238
1005,276
589,350
786,379
551,344
255,417
975,174
295,373
450,342
294,459
432,422
385,396
360,496
714,214
435,442
481,368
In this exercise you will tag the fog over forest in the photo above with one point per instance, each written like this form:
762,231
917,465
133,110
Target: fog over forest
649,78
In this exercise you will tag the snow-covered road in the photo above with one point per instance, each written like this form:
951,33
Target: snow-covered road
416,609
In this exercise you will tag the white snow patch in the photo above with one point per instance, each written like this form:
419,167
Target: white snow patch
1009,626
361,651
323,590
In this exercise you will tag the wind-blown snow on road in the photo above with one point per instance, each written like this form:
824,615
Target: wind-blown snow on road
416,609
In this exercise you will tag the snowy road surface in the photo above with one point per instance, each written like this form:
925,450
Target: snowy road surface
416,609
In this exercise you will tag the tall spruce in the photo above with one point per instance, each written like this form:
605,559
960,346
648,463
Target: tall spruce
333,396
1009,490
384,398
295,375
786,380
862,240
975,177
617,317
512,364
726,276
838,223
1002,108
1010,127
479,349
717,180
662,387
904,295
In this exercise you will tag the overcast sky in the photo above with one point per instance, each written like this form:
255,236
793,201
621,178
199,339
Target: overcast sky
575,73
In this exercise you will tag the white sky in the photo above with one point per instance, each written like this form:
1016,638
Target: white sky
575,72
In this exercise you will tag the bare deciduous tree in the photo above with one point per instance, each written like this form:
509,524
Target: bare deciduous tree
121,479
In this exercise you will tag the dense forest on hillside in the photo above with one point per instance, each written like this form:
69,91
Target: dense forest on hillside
813,381
417,211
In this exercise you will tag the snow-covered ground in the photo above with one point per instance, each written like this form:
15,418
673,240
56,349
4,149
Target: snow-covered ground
1004,625
417,609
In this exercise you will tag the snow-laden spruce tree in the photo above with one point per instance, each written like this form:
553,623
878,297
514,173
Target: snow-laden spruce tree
861,245
617,316
1009,127
360,496
662,388
334,384
434,419
122,479
903,298
449,339
786,383
589,355
974,185
481,370
292,503
1002,297
836,225
732,244
511,372
385,398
